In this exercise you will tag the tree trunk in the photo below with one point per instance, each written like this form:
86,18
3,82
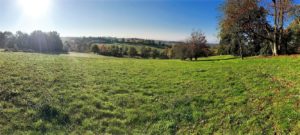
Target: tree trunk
280,22
274,49
241,49
275,43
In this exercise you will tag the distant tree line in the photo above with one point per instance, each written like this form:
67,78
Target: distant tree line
195,47
255,27
125,51
79,44
37,41
83,44
50,42
145,42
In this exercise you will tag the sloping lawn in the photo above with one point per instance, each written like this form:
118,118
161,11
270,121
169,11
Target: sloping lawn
60,94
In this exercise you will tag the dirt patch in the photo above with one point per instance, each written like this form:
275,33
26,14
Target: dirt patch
285,83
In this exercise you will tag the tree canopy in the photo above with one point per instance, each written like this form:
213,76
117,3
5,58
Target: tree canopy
37,41
246,28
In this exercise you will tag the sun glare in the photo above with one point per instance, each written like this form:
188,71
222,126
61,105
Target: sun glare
35,8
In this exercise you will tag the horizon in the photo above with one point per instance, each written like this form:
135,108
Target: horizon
146,19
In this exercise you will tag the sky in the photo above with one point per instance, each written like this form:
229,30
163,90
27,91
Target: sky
150,19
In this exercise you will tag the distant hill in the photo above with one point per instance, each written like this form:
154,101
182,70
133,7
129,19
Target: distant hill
83,43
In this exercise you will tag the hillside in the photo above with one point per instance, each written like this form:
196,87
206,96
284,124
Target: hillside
92,95
83,44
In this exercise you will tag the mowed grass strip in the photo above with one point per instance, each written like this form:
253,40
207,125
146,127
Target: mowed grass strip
60,94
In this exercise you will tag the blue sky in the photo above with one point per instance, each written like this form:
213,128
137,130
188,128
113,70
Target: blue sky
150,19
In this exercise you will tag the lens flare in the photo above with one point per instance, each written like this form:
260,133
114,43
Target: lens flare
35,8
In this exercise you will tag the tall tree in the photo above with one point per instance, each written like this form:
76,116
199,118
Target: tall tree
2,39
38,41
9,40
243,22
247,21
197,45
22,40
280,11
54,42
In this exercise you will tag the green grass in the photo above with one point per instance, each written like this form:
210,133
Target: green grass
53,94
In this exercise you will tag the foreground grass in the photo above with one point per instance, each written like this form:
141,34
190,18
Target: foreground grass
94,95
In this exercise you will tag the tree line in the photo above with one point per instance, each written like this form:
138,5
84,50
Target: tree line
50,42
126,51
195,47
259,27
83,44
37,41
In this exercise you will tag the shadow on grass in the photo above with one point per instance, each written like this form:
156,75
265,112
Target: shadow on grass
36,52
220,59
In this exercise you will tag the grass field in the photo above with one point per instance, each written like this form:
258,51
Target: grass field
96,95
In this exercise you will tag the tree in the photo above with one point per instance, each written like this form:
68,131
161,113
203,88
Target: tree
132,52
164,53
67,46
22,40
246,22
95,49
125,50
115,51
293,31
180,51
2,39
103,50
243,22
45,42
9,40
196,45
38,41
145,52
280,11
54,42
155,53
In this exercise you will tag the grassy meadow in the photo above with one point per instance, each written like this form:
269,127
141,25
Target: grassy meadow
61,94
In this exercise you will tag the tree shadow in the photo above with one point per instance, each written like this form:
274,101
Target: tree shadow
36,52
220,59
